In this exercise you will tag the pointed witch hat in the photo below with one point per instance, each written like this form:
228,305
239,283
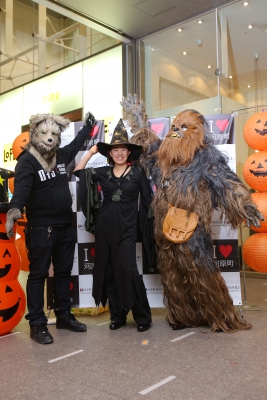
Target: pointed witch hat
120,136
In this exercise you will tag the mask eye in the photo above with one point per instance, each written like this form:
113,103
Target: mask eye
184,127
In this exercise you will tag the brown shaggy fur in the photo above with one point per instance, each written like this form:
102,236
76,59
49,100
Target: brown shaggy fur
194,290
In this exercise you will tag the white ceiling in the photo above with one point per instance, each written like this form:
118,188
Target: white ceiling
136,18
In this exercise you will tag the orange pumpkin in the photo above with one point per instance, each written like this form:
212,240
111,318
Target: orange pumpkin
260,199
21,246
10,262
19,143
255,171
3,235
254,252
255,131
12,305
21,224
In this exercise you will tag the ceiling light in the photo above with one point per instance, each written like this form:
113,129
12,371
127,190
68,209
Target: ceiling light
250,26
209,66
248,86
180,29
245,3
230,77
152,49
184,53
200,21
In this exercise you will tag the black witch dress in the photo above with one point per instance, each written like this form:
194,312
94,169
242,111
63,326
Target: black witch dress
121,212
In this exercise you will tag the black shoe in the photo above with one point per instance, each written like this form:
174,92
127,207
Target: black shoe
143,327
66,320
116,325
178,326
39,333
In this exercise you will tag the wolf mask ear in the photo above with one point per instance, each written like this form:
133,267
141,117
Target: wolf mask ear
62,122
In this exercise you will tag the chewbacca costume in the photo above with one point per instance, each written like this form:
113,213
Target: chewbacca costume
194,175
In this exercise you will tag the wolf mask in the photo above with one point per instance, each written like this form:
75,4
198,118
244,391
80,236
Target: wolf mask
45,138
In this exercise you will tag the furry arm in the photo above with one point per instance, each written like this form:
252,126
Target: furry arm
89,120
12,216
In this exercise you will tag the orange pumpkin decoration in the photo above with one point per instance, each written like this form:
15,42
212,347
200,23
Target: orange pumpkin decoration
10,262
254,252
255,131
255,171
21,224
12,305
260,199
19,143
21,246
3,235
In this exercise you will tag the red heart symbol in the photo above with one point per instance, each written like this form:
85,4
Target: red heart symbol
71,286
222,124
94,131
92,251
158,128
225,250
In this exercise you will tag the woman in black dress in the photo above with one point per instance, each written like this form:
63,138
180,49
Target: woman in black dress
115,275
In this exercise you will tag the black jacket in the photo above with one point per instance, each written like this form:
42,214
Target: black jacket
46,195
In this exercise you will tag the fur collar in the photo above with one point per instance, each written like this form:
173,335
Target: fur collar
48,167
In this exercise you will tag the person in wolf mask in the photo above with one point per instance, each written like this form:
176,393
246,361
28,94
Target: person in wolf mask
41,185
194,176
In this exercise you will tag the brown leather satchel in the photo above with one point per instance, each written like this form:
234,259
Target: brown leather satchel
178,225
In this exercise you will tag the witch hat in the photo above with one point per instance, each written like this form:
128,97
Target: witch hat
120,136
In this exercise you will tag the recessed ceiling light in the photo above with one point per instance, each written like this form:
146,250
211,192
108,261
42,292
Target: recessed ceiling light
184,53
245,3
152,49
230,77
180,29
200,21
209,66
250,26
248,86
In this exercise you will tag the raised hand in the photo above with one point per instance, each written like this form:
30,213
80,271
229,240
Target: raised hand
89,120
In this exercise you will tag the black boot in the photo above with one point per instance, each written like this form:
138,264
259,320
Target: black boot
66,320
39,333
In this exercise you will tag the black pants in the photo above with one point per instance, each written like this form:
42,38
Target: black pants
58,249
141,312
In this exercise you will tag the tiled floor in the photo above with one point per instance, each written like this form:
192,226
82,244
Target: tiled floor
125,364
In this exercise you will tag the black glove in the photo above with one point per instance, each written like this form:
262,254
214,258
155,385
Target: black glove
89,120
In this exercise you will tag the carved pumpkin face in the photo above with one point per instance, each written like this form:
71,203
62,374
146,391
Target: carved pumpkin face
9,262
255,131
19,143
255,171
3,235
12,305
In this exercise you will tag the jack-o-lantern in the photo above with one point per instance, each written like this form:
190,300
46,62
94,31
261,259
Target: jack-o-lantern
19,143
255,131
255,171
3,234
260,199
21,246
12,305
254,252
10,262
